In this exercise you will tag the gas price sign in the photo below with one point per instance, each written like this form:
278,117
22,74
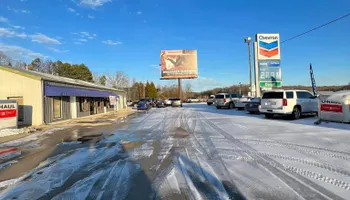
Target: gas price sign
270,73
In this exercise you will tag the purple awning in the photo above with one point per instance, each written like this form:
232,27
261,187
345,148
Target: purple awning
53,90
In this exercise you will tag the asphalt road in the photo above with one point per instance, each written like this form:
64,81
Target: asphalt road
196,152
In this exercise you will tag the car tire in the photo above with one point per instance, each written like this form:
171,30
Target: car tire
251,112
230,106
269,116
218,107
296,114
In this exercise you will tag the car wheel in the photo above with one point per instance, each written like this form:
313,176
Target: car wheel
296,113
269,116
217,107
230,106
251,112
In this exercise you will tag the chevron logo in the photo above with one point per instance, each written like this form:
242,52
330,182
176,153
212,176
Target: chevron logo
268,49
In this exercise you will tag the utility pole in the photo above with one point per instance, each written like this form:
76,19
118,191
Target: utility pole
179,88
247,40
240,88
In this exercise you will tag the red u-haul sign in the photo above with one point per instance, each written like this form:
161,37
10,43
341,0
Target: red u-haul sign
332,108
8,114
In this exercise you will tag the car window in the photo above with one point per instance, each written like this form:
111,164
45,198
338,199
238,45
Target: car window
307,95
290,95
273,95
220,96
176,99
303,95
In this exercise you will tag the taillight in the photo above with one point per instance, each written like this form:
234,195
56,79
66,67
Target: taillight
260,102
225,100
284,102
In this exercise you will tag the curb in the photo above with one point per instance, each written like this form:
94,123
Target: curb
3,151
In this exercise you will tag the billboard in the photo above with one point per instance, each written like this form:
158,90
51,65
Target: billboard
268,46
178,64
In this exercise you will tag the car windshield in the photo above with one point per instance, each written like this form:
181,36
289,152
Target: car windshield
176,99
273,95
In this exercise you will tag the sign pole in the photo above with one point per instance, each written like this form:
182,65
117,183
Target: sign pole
256,70
179,88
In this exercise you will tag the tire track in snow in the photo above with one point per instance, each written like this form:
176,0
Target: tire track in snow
314,150
318,176
312,190
290,158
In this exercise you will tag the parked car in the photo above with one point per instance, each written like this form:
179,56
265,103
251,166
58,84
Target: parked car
253,105
192,100
129,102
241,103
226,100
143,105
288,102
211,100
169,102
160,104
176,102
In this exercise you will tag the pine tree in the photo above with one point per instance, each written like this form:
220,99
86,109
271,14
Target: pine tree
147,90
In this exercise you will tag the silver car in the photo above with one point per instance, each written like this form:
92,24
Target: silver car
176,102
226,100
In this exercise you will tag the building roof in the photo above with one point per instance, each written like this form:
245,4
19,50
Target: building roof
54,78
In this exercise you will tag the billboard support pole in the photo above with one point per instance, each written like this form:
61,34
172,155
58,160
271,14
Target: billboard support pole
256,70
179,88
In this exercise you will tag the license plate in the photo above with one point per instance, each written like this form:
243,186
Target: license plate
269,103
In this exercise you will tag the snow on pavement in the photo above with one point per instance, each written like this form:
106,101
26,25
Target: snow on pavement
199,152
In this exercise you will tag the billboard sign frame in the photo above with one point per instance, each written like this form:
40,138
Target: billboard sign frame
178,64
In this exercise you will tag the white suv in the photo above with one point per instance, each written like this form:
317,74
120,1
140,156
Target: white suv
288,102
226,100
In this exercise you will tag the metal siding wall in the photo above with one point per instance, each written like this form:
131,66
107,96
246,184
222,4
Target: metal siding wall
66,113
15,85
48,110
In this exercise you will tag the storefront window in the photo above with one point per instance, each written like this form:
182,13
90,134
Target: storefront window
57,107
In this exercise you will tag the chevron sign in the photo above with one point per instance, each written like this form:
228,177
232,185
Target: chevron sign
268,46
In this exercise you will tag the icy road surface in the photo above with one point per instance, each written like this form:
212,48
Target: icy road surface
198,152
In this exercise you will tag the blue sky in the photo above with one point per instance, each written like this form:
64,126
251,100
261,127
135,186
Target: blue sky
127,35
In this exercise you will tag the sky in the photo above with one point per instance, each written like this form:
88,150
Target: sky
127,35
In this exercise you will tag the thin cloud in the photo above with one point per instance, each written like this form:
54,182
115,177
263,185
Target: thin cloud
41,38
3,19
155,66
17,27
58,50
82,40
8,32
139,13
79,43
18,10
71,10
20,53
22,35
93,3
110,42
91,17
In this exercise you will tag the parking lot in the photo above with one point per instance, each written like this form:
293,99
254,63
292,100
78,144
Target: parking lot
198,152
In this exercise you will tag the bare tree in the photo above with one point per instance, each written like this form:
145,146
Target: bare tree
4,59
187,90
118,80
20,65
96,77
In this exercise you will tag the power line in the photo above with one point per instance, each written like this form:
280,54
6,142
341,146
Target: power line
323,25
